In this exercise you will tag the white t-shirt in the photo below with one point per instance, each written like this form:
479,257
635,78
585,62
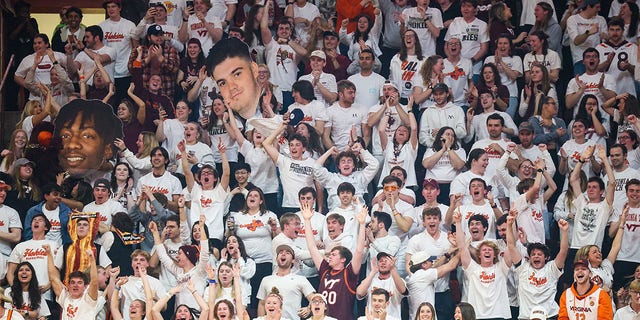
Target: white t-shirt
460,184
282,61
292,288
309,11
630,251
479,126
494,156
263,170
117,35
392,124
313,111
55,233
423,241
421,289
530,217
417,23
589,222
173,130
591,82
395,296
43,311
294,175
174,11
198,30
210,203
134,290
471,34
106,210
574,150
9,219
219,7
80,308
406,159
486,287
342,119
43,71
32,252
485,210
219,133
577,25
327,80
88,63
551,60
166,184
623,79
367,89
620,195
514,63
457,77
402,73
318,221
255,232
538,287
443,171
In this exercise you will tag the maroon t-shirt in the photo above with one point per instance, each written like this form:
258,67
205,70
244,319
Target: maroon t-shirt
339,288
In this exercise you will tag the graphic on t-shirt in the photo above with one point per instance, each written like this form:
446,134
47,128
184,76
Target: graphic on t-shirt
535,281
456,73
588,220
487,277
418,22
253,226
283,55
473,33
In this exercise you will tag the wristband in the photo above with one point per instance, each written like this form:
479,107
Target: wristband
116,288
185,20
81,77
581,161
55,62
540,170
211,281
493,206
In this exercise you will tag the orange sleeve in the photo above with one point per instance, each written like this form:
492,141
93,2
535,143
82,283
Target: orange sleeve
562,313
605,309
350,9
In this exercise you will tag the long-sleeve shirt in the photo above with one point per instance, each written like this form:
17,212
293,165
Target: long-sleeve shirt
435,118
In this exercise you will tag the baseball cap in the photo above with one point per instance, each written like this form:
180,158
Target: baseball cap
285,247
581,263
318,54
4,185
526,126
383,254
429,182
421,257
388,83
295,117
157,4
101,183
24,161
441,87
155,30
330,33
318,296
538,313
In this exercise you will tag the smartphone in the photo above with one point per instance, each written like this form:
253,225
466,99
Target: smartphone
190,4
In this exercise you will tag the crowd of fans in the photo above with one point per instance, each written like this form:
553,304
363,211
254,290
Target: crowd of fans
457,159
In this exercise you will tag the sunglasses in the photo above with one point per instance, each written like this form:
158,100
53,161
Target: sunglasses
390,188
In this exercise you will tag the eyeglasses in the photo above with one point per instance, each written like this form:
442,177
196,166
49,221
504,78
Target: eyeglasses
317,301
390,188
623,138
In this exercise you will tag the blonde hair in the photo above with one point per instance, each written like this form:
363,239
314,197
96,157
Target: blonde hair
492,245
28,111
149,142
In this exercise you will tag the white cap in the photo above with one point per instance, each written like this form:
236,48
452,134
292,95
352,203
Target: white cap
538,313
319,54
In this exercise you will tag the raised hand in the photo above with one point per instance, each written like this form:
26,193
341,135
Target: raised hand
563,225
307,211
